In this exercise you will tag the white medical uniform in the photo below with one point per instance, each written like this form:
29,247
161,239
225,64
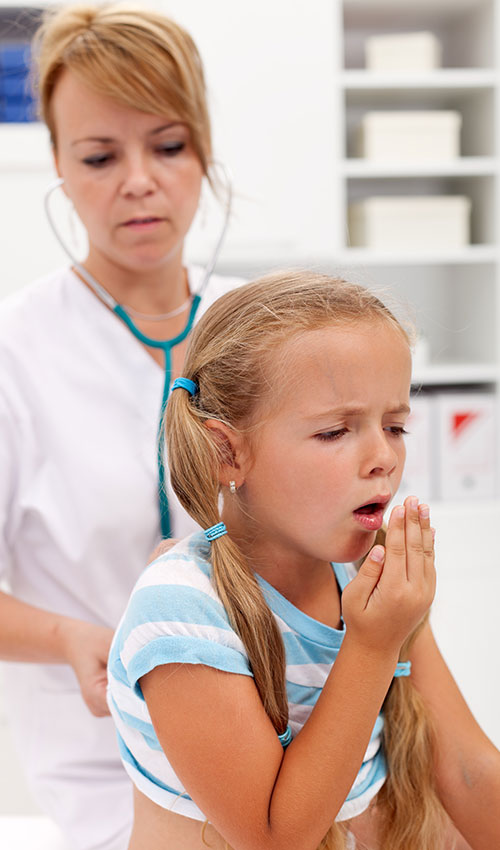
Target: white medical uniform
79,406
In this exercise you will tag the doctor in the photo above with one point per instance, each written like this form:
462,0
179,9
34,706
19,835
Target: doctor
81,385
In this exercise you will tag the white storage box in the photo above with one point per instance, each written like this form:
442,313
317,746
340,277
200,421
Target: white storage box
410,135
417,479
466,450
413,51
414,222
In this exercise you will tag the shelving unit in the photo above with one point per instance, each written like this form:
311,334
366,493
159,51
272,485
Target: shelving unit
457,289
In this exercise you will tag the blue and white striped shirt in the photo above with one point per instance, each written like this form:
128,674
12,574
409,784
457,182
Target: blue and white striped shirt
175,615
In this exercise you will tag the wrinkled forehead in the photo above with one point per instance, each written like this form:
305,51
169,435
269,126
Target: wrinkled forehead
334,357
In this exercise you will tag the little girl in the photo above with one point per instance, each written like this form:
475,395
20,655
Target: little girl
268,695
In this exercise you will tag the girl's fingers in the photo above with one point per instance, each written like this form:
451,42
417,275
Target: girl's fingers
395,546
414,541
428,534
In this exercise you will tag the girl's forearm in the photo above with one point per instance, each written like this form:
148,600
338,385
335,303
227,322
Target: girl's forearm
321,764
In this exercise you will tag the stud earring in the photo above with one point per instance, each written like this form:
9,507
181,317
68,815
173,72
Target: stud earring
232,487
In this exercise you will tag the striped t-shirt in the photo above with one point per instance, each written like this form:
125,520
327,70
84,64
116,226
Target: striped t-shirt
175,615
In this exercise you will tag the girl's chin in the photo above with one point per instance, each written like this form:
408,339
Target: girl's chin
358,549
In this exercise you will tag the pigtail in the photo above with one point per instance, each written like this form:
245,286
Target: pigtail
194,463
411,816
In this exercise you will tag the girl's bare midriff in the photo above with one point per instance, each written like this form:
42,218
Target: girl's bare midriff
158,829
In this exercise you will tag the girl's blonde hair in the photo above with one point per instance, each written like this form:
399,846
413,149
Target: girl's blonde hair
137,57
233,356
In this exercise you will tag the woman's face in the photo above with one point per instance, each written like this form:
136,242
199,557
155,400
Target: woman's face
134,178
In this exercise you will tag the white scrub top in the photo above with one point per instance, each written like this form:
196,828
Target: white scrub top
79,405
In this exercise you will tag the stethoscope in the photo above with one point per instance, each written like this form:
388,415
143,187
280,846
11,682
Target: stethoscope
167,344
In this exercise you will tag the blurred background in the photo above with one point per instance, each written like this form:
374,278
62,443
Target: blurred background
363,140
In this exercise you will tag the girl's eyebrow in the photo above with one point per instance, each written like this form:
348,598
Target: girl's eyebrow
108,140
356,410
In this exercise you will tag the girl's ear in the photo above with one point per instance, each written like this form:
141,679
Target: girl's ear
233,449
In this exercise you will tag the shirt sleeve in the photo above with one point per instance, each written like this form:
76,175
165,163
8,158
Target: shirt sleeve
175,623
9,460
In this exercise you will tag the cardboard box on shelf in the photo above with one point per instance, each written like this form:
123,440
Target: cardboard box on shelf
413,222
466,448
419,135
411,51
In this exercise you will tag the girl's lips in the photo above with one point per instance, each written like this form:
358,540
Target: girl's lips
370,521
371,515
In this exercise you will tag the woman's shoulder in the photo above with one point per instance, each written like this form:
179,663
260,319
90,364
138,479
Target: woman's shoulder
33,306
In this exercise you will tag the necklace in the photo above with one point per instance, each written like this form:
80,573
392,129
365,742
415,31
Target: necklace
158,317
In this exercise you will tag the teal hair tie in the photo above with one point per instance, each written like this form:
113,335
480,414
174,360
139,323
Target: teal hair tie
403,668
215,531
184,384
285,737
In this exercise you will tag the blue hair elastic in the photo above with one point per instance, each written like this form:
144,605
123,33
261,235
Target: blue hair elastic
403,668
215,531
184,384
285,737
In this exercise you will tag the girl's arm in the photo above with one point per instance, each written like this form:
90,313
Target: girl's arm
31,634
467,763
220,742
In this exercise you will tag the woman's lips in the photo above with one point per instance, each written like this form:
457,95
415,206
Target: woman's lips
145,223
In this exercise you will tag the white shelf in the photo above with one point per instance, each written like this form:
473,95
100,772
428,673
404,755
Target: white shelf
462,79
453,374
465,166
470,255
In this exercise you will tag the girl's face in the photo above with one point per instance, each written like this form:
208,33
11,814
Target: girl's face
134,178
327,461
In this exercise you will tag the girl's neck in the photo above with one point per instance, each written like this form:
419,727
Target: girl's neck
308,583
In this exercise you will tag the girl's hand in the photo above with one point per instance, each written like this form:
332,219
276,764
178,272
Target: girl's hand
395,585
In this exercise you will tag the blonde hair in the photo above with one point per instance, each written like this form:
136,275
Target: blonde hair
232,358
137,57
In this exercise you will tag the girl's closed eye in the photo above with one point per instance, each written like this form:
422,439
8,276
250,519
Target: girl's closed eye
397,430
329,436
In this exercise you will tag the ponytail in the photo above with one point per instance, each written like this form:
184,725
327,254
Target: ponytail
191,448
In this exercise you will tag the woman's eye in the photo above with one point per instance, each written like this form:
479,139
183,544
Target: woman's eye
171,148
328,436
98,160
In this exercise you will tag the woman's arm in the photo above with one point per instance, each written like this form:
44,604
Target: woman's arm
467,763
31,634
220,742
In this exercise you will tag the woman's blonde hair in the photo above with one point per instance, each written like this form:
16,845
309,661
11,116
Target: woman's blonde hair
137,57
235,358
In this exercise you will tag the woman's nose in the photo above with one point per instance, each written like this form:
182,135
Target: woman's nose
138,177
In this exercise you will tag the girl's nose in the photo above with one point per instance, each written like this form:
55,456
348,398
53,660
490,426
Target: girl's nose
380,458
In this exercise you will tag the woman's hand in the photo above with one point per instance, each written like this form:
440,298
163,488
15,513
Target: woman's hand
395,585
86,648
